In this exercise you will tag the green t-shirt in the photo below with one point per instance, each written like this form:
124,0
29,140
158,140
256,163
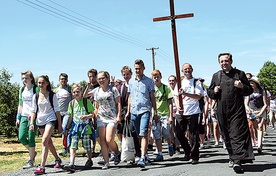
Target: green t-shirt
162,95
79,110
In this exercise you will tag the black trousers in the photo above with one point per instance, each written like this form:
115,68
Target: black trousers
191,121
135,139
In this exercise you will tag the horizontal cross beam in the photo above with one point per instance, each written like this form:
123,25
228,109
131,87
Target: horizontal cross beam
173,17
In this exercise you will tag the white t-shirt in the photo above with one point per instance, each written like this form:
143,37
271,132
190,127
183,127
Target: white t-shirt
45,111
107,105
190,105
27,101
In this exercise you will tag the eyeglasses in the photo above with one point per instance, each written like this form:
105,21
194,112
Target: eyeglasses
101,79
63,79
172,80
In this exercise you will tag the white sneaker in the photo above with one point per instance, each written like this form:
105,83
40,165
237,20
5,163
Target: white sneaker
201,146
216,144
105,166
224,146
29,164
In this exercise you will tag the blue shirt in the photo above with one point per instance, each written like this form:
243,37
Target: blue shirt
139,92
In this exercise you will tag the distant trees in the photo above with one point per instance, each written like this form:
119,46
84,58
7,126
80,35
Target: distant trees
267,76
8,104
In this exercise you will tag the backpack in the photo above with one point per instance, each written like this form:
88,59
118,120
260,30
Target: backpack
51,95
164,92
34,88
201,100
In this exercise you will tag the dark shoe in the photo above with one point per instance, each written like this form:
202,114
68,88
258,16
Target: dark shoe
64,152
194,162
259,150
117,158
89,163
159,158
186,157
147,160
171,150
238,169
231,164
70,168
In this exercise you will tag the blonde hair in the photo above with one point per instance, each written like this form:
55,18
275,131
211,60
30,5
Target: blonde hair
126,68
74,86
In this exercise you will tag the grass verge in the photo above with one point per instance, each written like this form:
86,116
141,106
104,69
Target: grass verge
13,155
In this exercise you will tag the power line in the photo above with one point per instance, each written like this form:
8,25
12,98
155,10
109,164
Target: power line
74,20
110,29
104,30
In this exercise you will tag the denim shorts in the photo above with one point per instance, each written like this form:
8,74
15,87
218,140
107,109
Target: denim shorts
110,123
64,119
163,128
141,123
53,123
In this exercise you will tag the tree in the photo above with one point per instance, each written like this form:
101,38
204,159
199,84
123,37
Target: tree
83,84
8,104
267,76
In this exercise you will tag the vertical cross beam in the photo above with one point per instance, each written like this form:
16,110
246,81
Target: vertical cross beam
172,17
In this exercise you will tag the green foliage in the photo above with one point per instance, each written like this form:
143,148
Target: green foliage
267,76
83,84
8,104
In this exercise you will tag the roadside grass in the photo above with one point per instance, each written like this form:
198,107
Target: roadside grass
13,155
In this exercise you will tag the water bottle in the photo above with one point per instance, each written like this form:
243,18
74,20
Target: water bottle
153,125
253,116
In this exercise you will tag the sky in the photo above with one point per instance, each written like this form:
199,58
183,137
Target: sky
49,37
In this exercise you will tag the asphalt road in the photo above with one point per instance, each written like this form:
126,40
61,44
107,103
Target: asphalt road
213,162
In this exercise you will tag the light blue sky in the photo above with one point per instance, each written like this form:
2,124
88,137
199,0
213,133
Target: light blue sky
47,44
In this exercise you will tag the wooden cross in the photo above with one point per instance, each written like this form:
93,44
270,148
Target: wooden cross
172,17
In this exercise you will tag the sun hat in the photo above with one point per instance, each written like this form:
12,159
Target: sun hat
255,79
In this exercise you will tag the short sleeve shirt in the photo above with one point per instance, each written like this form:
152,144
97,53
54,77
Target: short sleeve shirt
25,99
140,91
162,95
64,97
107,105
45,111
190,105
79,110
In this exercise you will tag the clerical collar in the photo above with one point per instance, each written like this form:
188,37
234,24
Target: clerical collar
227,71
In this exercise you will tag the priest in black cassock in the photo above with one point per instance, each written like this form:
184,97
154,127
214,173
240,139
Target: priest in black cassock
228,87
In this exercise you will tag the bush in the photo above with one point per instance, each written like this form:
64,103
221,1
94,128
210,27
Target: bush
8,104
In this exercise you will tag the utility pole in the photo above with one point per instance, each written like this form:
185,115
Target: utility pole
153,54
